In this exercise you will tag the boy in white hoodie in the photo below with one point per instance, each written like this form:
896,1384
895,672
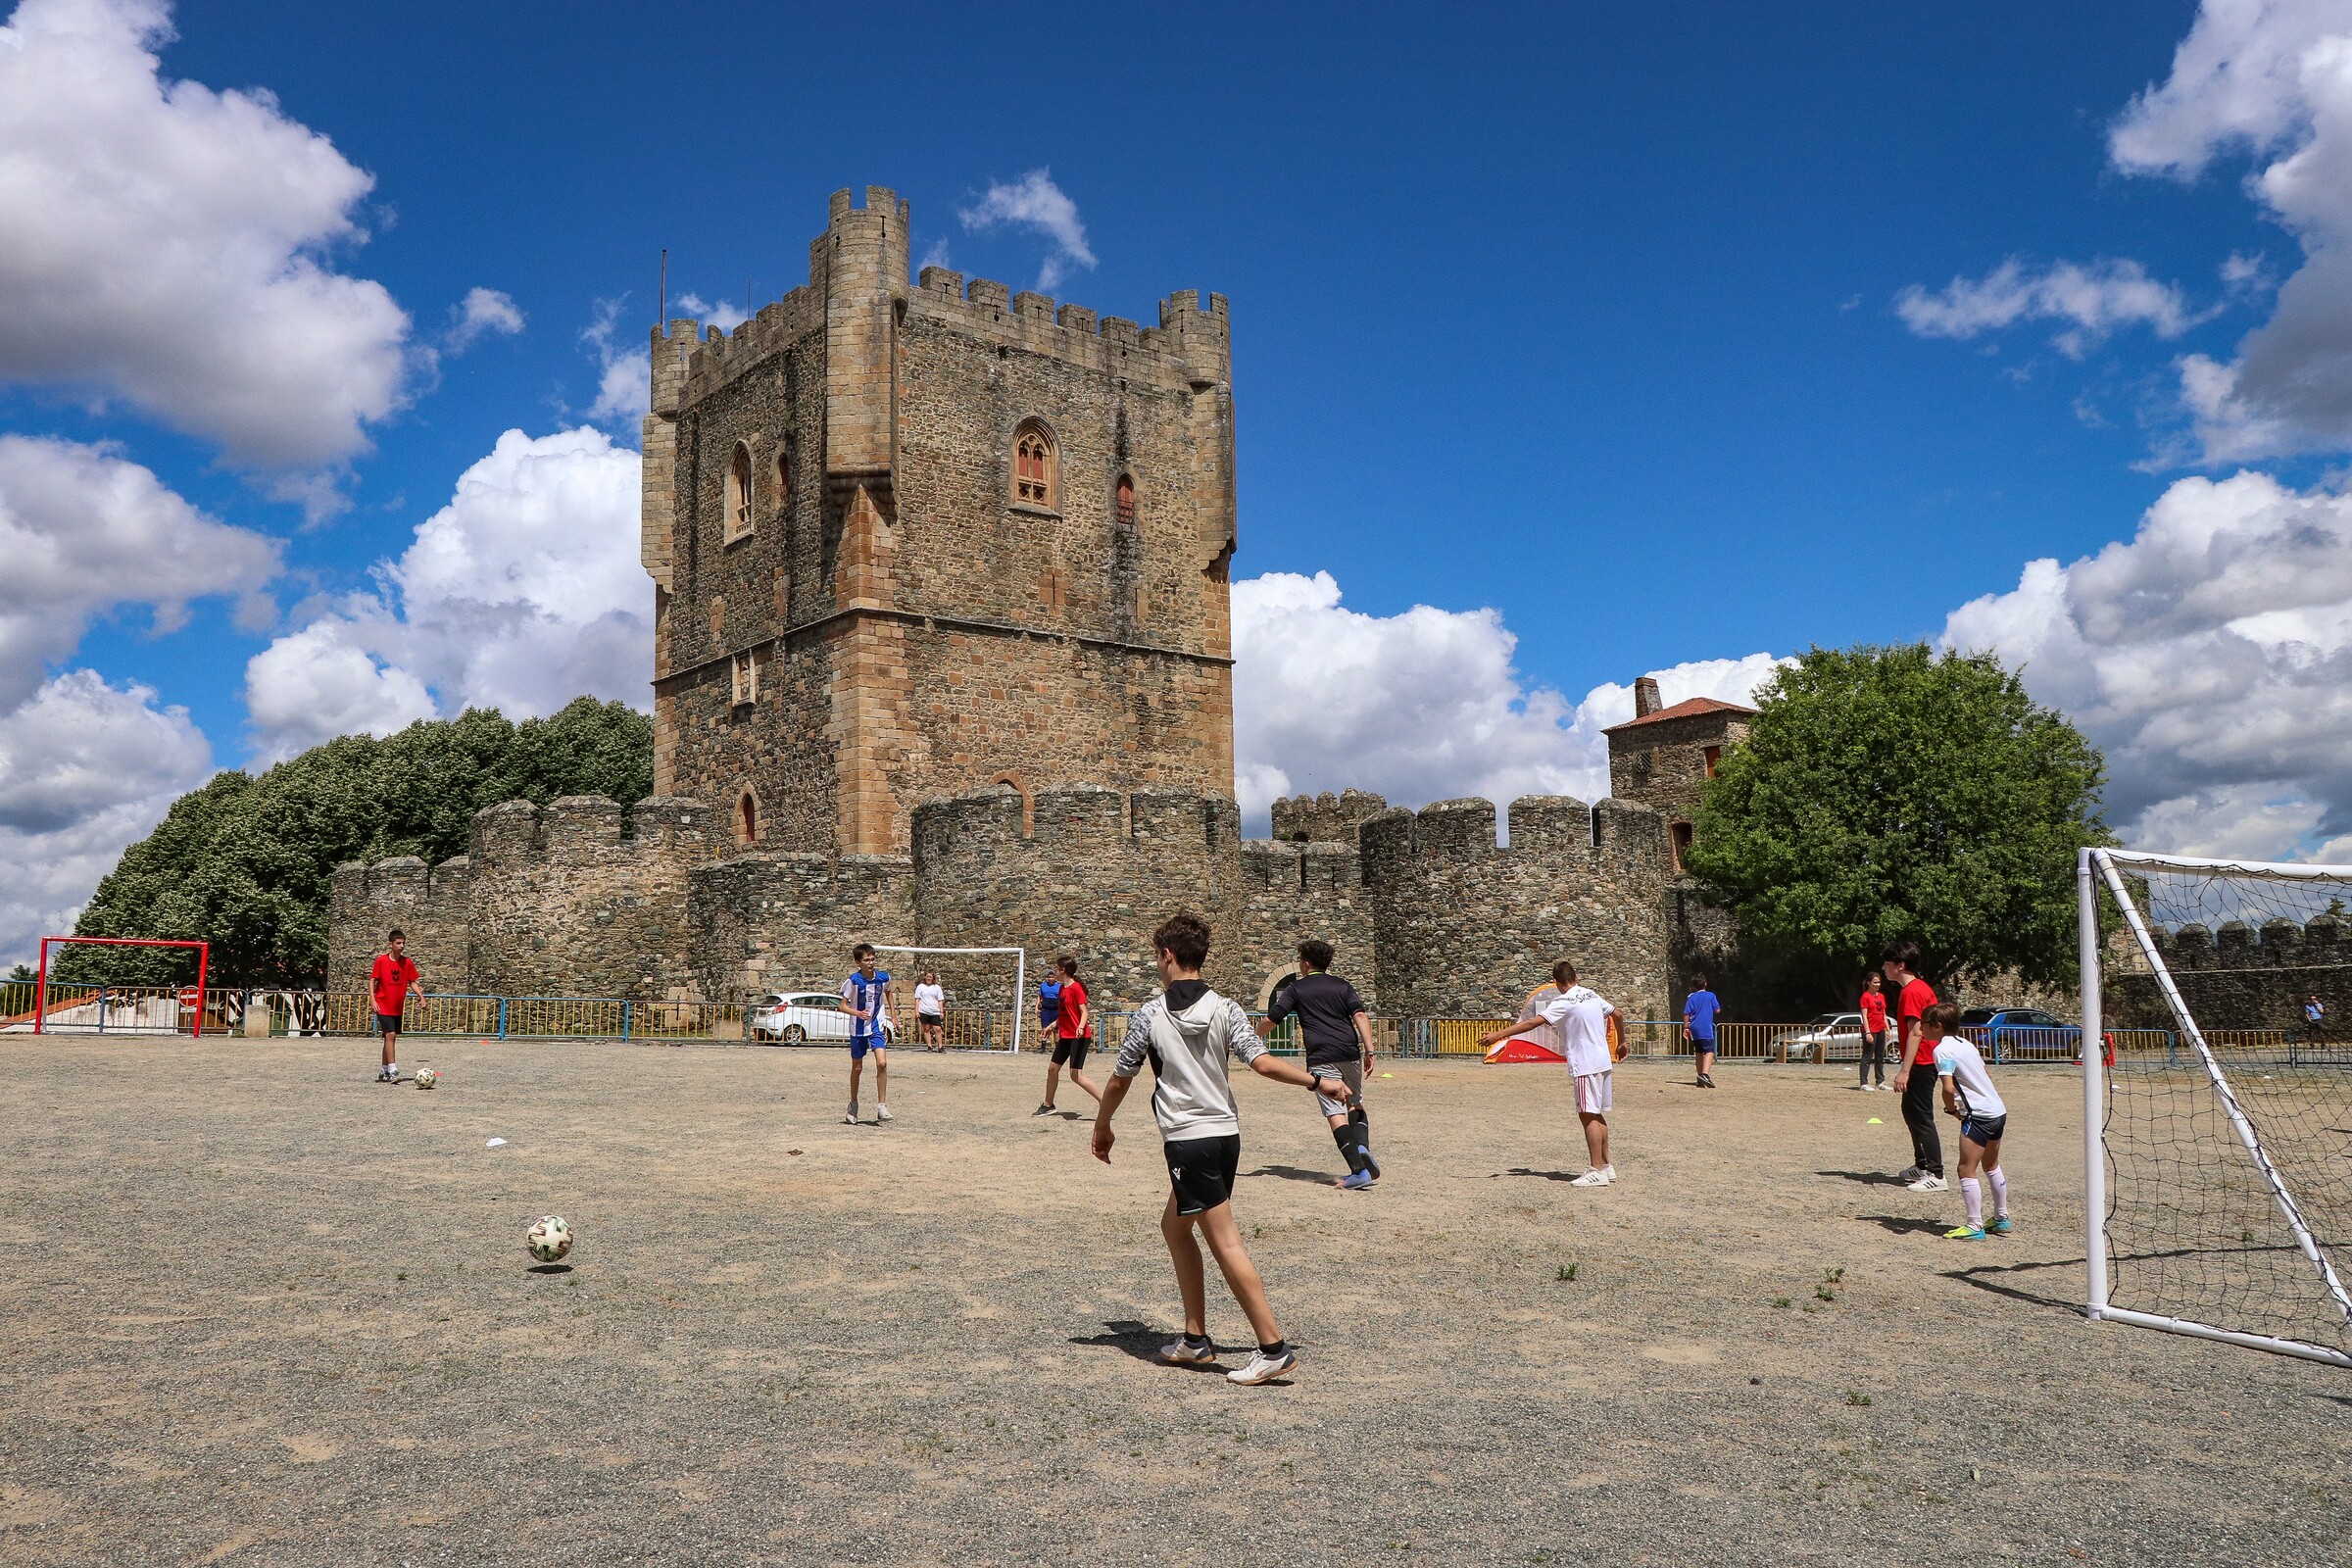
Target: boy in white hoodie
1185,1033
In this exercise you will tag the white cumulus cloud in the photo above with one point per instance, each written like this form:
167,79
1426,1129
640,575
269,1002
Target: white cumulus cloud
624,387
2267,79
2092,301
1420,706
169,246
2210,655
482,311
523,592
84,533
85,769
1035,203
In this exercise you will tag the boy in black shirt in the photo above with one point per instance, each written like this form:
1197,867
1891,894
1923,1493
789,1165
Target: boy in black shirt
1338,1032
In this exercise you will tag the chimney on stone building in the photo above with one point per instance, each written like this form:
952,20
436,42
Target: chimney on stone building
1645,697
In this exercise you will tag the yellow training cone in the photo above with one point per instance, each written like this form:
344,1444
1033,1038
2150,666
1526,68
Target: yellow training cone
1874,1122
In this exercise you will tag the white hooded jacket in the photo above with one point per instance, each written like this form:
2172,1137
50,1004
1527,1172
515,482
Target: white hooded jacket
1187,1048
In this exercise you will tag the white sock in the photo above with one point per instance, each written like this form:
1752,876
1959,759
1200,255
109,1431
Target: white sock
1972,1193
2001,1192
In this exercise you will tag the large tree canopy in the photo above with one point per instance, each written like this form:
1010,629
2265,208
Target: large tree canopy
245,863
1888,792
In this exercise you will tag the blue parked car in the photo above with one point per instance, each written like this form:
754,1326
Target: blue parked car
2025,1034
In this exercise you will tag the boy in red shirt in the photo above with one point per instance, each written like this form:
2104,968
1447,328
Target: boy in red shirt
1075,1037
1915,1066
394,973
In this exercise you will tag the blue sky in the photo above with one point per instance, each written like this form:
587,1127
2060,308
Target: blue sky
1584,326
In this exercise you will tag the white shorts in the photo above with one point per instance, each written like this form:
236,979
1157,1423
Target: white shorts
1592,1097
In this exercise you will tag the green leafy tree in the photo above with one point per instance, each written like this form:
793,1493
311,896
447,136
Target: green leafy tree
246,863
1889,792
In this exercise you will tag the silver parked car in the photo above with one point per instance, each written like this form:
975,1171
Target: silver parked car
793,1017
1839,1032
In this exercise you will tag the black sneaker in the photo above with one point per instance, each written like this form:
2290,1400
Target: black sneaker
1043,1110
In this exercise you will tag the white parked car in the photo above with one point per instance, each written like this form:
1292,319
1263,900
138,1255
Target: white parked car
795,1016
1833,1031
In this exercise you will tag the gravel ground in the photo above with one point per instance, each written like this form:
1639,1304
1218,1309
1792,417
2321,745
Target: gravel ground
257,1309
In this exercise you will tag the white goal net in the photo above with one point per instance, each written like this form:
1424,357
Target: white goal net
2219,1168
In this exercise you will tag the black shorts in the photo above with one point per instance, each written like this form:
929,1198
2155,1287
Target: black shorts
928,1019
1072,1051
1984,1129
387,1024
1201,1170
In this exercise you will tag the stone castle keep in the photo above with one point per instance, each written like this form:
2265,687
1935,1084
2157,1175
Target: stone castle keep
944,657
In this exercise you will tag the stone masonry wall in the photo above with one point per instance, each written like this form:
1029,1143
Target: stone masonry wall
563,904
2237,976
1468,929
1098,869
435,910
780,922
1663,764
1325,819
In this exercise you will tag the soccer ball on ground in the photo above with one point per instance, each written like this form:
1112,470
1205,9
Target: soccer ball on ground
426,1077
550,1238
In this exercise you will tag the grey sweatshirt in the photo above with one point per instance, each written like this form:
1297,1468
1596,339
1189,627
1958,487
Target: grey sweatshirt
1187,1048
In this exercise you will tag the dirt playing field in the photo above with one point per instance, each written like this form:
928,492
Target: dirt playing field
256,1309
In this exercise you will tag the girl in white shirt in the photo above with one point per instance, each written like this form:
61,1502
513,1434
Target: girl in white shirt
930,1012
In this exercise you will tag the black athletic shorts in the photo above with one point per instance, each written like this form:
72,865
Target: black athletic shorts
387,1024
1201,1170
1984,1129
1073,1051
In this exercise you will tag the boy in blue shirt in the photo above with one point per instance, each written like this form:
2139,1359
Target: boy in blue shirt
1698,1027
867,996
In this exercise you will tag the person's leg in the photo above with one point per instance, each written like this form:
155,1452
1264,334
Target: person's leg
882,1081
1862,1062
1706,1063
1998,1179
1053,1083
1093,1089
391,1047
1241,1275
1919,1115
1972,1191
1347,1128
1190,1283
856,1071
1596,1138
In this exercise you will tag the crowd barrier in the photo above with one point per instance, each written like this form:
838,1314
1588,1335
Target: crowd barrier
96,1010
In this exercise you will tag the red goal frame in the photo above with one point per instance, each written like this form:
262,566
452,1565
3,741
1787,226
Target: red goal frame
40,987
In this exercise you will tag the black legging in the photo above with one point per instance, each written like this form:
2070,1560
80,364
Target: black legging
1919,1115
1873,1056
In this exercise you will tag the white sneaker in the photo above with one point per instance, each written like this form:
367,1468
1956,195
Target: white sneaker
850,1117
1265,1369
1593,1178
387,1075
1177,1353
882,1112
1929,1184
1610,1171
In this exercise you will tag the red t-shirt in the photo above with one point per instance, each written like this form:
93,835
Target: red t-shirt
1917,997
1874,1013
393,977
1073,998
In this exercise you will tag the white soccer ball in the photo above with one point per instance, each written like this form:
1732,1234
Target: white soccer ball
550,1238
426,1077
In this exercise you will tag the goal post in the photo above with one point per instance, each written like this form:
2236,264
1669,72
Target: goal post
98,1007
2216,1202
1020,977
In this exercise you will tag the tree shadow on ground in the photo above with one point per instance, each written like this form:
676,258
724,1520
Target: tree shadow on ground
1295,1173
1546,1175
1985,1278
1141,1341
1869,1178
1904,1225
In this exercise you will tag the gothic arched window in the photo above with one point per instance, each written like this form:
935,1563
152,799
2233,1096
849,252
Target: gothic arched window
739,493
1034,481
1125,502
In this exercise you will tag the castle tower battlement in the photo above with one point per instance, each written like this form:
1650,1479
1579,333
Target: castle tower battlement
1465,925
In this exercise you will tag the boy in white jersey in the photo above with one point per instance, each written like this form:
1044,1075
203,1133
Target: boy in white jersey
1185,1033
1578,1020
1968,1095
865,995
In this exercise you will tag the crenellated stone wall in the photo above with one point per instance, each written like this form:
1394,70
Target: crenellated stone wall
1465,927
433,908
